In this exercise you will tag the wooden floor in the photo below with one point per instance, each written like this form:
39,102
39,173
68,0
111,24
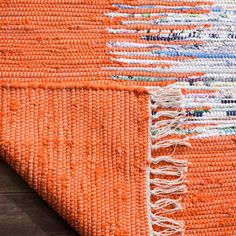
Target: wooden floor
23,213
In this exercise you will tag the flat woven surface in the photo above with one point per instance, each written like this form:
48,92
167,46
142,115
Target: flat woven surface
85,154
121,114
209,205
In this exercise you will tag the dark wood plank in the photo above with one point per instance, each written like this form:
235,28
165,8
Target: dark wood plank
23,212
27,215
11,182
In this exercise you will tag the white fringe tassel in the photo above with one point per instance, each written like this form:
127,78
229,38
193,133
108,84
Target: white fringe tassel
167,178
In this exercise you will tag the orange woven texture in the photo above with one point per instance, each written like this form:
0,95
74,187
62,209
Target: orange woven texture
58,41
84,151
210,204
54,40
83,147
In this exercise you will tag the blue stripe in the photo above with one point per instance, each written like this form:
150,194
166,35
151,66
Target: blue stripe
195,54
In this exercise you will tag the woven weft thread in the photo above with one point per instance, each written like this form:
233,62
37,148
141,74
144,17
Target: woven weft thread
166,175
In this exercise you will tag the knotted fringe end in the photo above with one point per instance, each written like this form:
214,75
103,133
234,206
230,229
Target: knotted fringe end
166,175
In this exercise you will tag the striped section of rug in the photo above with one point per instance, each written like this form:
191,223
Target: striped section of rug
122,114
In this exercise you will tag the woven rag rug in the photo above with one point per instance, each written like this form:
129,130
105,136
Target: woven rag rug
121,114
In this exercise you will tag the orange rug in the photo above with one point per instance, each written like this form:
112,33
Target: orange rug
122,114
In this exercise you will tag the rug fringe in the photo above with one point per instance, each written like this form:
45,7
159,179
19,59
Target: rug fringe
166,175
